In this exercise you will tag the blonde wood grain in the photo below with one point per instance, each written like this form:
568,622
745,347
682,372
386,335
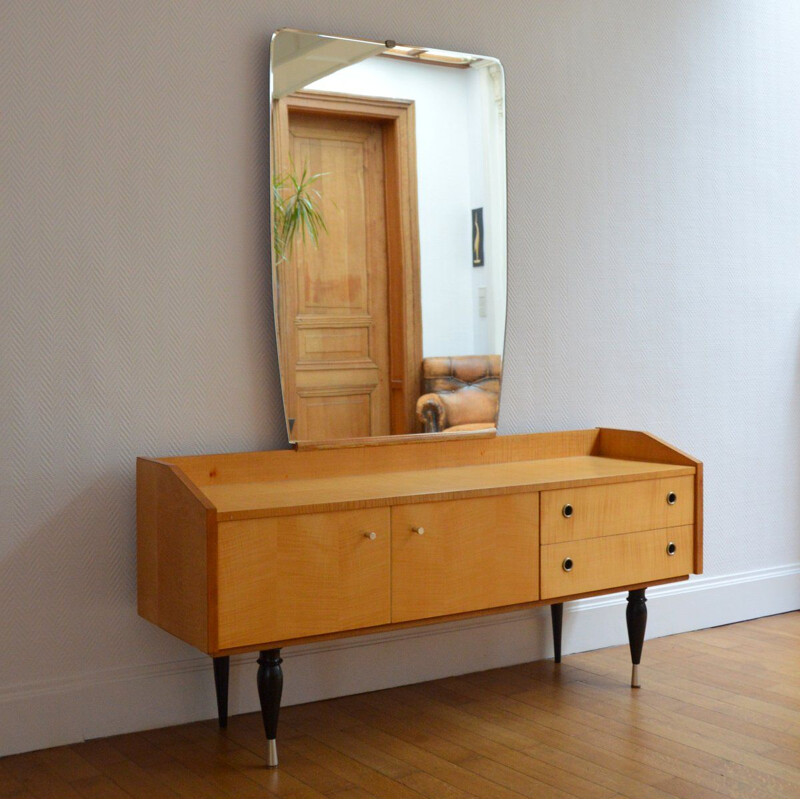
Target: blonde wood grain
248,500
303,575
698,519
380,441
644,446
181,500
176,525
620,508
147,536
399,456
640,446
473,554
615,560
485,612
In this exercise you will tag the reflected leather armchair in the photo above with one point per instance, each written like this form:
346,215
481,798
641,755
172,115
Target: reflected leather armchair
462,393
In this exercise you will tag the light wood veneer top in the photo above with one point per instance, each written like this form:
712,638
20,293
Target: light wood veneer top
278,498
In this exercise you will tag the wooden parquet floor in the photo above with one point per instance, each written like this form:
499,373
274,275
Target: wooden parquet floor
718,716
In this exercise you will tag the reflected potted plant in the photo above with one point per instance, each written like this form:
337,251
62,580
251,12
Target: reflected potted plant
295,204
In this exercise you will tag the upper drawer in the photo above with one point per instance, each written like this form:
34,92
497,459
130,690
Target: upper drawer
570,514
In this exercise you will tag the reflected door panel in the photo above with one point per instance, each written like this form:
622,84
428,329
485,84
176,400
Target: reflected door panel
335,302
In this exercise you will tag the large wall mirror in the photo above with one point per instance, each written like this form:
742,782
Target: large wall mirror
389,236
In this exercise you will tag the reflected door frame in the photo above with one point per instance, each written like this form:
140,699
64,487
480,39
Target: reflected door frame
402,235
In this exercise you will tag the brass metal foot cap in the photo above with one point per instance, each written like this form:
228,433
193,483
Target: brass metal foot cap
272,753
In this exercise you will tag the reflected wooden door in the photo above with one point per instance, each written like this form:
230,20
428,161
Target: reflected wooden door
335,308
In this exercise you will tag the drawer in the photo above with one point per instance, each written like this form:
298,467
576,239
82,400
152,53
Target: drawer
612,561
287,577
570,514
464,555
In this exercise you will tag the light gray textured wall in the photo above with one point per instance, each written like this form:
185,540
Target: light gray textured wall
654,220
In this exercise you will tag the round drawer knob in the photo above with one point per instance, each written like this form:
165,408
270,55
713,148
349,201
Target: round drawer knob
671,549
419,530
371,535
672,498
567,510
566,564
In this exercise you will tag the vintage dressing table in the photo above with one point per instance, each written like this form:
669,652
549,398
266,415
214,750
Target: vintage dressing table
366,533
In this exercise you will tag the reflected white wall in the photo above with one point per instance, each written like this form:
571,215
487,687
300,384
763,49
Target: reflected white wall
451,135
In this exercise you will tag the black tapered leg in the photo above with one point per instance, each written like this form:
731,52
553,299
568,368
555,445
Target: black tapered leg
557,613
636,617
270,686
222,668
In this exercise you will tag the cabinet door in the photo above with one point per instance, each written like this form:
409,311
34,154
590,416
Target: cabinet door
287,577
464,555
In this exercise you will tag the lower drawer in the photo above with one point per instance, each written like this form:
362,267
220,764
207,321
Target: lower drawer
606,510
590,565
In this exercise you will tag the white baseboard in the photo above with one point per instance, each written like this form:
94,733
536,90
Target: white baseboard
46,714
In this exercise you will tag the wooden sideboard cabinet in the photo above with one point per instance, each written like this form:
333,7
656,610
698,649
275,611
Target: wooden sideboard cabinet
256,551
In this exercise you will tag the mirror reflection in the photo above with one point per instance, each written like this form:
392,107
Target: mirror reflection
389,236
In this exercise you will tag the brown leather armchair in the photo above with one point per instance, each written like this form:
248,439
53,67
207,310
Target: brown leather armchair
462,393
